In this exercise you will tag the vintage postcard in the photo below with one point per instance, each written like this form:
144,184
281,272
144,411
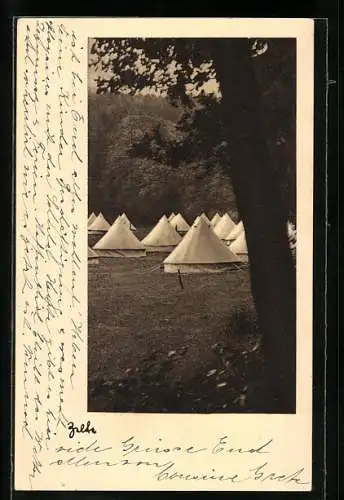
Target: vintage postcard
164,254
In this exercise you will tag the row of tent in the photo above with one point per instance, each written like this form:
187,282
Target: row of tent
222,226
206,246
98,224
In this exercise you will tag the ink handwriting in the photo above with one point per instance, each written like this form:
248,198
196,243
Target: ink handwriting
162,461
82,429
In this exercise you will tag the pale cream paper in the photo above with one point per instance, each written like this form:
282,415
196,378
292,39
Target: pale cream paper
51,286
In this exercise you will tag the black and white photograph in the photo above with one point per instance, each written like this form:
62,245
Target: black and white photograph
192,229
166,217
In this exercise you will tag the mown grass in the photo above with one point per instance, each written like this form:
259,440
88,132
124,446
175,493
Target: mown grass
155,347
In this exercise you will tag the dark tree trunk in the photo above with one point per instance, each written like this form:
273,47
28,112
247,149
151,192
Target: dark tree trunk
259,200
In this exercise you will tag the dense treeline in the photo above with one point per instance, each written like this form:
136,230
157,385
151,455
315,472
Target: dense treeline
146,188
148,157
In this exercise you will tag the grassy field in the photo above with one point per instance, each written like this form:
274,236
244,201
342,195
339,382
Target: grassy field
155,347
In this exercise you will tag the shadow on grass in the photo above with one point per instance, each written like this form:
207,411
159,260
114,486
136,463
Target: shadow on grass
231,380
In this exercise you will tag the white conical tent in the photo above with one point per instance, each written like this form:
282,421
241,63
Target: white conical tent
100,224
171,216
180,224
291,229
202,216
91,218
215,219
117,219
239,246
119,241
127,221
235,232
162,238
92,257
200,251
224,226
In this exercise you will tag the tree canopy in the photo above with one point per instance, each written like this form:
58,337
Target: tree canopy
183,71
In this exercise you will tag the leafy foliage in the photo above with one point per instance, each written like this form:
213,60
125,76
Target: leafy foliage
179,69
122,179
172,67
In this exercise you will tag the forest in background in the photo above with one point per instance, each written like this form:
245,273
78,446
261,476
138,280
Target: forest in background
145,188
148,156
